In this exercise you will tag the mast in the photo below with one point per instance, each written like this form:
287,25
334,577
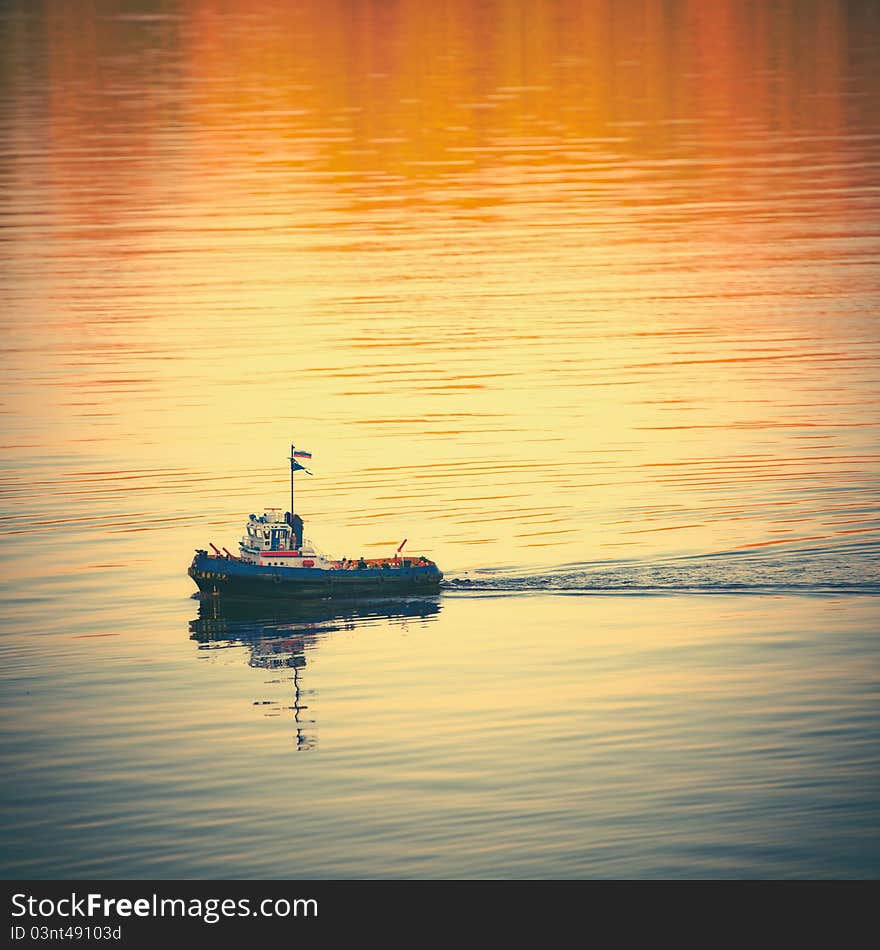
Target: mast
293,467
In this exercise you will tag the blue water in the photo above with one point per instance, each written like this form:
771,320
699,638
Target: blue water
464,735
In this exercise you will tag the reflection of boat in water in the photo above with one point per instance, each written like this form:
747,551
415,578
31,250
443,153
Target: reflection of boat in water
276,562
279,636
220,620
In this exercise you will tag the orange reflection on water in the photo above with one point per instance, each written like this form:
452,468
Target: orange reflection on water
499,262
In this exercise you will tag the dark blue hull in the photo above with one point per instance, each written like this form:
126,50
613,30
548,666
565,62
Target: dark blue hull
238,580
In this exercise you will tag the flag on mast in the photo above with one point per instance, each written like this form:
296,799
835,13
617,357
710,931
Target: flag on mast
296,466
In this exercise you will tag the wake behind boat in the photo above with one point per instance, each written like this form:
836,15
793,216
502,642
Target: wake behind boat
277,562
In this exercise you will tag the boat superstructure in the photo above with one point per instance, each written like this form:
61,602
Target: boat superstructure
272,540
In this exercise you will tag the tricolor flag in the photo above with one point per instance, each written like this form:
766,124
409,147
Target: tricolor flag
302,455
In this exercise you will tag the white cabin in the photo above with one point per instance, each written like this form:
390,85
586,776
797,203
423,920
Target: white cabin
269,541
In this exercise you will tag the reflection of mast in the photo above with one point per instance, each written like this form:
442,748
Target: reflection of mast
266,652
302,741
285,653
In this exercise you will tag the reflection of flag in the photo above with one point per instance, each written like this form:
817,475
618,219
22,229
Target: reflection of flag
302,455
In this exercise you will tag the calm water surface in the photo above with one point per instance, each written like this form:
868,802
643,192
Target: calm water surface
577,297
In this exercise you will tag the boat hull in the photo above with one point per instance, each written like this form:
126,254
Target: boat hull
232,579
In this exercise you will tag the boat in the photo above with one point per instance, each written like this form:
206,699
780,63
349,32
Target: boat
276,562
